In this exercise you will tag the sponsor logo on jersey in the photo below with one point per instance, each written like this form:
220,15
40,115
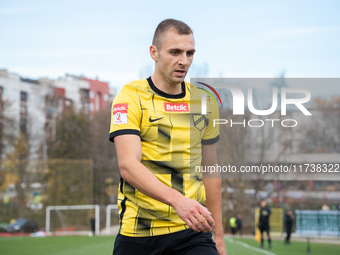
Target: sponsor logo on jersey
176,107
153,120
120,112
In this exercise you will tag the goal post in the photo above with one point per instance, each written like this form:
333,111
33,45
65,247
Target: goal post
72,207
108,217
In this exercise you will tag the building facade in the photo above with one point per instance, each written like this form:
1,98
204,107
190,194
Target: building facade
34,105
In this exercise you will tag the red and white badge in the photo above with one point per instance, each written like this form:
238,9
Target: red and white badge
120,112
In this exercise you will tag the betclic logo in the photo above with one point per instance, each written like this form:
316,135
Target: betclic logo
120,112
176,107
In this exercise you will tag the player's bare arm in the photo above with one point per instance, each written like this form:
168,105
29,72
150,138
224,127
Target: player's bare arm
212,186
129,152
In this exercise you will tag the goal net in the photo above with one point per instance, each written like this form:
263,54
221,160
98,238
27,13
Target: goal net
73,219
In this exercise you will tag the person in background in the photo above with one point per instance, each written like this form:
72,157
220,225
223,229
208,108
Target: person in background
264,223
93,224
233,226
289,218
239,224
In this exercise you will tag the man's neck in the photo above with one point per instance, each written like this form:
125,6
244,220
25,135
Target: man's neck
167,87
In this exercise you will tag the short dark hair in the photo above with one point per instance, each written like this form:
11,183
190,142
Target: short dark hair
180,27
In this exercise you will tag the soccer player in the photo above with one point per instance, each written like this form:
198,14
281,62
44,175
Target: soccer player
289,218
239,224
264,223
160,136
233,225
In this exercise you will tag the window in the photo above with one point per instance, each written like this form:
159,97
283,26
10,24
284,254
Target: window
23,111
91,94
84,100
98,101
1,98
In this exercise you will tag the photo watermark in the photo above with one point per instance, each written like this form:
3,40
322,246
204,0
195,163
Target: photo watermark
271,128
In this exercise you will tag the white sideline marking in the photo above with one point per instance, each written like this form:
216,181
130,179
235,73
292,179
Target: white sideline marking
248,246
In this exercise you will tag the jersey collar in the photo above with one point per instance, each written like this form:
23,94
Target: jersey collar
163,94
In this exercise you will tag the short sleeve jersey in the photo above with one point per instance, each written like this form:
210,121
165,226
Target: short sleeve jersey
172,130
264,215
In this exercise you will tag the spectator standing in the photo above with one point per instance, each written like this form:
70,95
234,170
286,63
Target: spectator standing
239,224
289,219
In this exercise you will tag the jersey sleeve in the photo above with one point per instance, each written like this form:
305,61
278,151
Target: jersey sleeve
125,113
211,134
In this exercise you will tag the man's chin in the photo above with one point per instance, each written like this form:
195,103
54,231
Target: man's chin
178,79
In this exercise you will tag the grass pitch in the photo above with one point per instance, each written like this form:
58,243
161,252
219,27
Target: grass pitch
84,245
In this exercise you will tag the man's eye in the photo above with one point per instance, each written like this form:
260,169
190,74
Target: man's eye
190,54
174,52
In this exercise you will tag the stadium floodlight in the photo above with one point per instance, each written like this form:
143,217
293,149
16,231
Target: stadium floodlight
72,207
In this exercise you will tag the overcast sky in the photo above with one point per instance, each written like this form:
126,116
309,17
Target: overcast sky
111,39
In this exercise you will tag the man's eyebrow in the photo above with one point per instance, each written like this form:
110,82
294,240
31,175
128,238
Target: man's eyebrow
175,49
181,50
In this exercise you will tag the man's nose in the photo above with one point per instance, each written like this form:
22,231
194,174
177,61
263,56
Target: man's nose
184,60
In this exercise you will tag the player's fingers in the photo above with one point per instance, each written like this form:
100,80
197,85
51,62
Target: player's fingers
207,215
192,226
209,219
197,224
204,223
200,223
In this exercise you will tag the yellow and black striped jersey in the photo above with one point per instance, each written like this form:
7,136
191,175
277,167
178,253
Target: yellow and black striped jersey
172,130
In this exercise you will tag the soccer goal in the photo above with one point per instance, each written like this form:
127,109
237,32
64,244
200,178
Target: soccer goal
72,219
111,218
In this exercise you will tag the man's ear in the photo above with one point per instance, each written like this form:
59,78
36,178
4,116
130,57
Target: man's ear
154,53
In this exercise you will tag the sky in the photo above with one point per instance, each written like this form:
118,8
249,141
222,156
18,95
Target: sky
111,39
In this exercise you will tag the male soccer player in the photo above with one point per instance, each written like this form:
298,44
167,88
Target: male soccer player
160,136
239,224
289,219
264,223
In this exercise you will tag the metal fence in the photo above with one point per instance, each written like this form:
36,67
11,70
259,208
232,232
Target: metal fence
317,222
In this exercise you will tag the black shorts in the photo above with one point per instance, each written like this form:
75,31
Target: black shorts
264,227
186,242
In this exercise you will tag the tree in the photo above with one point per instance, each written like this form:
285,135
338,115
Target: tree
70,181
79,137
72,138
242,145
7,127
326,130
70,168
103,153
17,165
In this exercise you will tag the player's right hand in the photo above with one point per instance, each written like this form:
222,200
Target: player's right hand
194,214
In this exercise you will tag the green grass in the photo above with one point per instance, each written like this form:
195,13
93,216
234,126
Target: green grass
296,248
56,245
84,245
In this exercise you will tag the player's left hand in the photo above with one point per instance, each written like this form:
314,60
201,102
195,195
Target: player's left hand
220,245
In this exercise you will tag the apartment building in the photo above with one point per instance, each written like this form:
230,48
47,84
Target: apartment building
35,104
